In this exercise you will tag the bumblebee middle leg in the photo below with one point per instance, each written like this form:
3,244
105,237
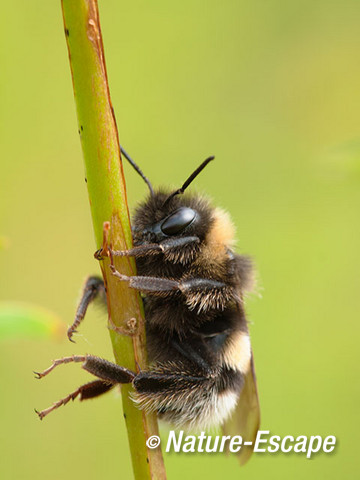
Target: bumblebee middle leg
158,285
94,288
201,294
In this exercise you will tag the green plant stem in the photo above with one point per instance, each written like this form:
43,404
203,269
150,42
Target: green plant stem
107,195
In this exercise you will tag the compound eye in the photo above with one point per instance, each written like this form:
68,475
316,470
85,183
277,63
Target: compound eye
178,221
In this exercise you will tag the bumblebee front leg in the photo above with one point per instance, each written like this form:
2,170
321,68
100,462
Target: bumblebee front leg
94,288
108,373
176,250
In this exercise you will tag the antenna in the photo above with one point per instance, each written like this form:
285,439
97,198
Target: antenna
190,179
133,164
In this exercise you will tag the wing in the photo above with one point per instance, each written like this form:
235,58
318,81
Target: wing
245,420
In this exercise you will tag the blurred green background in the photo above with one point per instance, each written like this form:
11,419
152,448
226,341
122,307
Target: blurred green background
272,89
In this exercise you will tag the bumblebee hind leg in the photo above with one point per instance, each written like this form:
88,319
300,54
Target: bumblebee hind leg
108,373
183,394
89,390
177,394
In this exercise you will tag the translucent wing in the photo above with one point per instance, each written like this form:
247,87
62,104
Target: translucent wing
245,420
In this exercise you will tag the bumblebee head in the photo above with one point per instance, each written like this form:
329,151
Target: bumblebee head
167,213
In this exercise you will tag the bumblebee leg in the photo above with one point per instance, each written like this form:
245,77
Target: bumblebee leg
180,249
157,284
93,288
172,248
89,390
201,294
97,366
139,251
188,396
179,395
108,373
60,361
147,284
155,382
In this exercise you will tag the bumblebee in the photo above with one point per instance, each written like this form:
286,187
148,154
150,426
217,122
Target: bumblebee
201,372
